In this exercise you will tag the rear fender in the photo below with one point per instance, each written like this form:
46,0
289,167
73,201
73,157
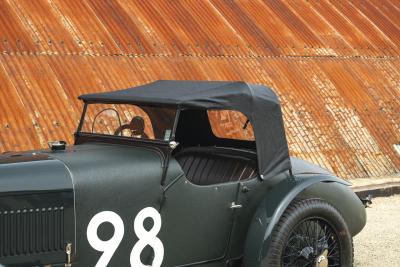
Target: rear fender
344,200
271,208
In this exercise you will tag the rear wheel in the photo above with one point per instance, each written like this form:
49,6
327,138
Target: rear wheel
310,233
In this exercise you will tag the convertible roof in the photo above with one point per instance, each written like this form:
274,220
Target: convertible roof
186,93
259,103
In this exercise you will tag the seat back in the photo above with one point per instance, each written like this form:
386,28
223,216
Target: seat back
205,167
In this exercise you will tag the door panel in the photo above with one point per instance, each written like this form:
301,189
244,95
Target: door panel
197,221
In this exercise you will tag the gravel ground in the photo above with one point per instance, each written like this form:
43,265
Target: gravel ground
378,243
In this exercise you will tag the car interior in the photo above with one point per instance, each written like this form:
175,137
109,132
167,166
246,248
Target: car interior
214,165
207,159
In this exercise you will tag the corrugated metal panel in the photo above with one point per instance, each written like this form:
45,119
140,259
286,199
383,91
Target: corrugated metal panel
335,65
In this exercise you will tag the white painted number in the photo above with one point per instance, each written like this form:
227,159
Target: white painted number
146,238
110,246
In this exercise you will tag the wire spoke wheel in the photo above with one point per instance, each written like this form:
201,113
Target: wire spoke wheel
310,233
312,243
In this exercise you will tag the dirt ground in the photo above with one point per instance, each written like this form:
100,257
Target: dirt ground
378,243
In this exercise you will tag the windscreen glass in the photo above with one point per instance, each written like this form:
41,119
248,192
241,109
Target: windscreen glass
132,121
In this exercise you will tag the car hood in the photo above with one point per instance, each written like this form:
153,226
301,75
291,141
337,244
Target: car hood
46,170
32,172
96,154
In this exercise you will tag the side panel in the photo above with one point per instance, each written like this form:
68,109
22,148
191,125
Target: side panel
119,180
250,195
272,207
197,221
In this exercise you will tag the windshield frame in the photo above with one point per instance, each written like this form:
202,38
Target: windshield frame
100,137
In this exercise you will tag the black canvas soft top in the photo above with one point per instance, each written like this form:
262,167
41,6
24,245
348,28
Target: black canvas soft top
259,103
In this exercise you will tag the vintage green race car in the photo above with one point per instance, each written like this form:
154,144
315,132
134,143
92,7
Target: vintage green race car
175,173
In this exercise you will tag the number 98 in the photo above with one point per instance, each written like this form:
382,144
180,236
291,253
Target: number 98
145,237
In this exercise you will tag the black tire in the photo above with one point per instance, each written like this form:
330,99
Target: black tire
291,236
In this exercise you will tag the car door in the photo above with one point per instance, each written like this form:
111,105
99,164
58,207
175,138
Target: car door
197,221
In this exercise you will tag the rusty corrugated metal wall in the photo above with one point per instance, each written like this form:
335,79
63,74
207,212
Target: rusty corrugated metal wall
334,64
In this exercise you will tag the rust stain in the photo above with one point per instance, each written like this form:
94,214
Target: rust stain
334,64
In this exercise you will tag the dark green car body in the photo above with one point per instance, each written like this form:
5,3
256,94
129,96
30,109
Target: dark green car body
48,199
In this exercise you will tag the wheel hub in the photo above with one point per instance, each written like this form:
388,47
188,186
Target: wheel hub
310,244
322,260
307,252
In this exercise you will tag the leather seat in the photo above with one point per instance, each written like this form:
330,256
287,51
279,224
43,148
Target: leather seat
209,166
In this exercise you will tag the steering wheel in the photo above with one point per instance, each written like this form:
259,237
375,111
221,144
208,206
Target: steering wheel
136,126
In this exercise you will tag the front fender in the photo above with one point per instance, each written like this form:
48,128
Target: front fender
279,198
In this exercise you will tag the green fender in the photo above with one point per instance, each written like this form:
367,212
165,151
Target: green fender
330,188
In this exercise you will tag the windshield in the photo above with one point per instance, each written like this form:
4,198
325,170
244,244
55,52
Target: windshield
126,120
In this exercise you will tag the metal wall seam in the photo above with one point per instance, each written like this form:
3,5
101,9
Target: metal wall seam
335,66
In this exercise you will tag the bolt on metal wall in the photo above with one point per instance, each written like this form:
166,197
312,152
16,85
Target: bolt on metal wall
334,64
